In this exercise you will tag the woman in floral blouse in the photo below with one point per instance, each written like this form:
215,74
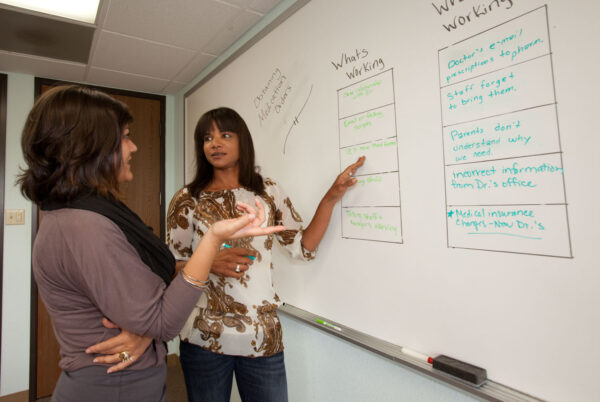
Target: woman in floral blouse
234,326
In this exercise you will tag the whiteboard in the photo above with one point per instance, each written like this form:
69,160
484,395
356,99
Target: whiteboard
473,229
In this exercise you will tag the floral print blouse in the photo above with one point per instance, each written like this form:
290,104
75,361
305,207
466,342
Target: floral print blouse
235,316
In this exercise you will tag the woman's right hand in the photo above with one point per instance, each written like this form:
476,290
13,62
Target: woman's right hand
247,225
232,262
110,349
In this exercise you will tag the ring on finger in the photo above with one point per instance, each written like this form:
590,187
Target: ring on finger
237,268
125,356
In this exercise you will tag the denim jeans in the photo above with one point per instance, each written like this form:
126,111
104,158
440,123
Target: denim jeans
208,376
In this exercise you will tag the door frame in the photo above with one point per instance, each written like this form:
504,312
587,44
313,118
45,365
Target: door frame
3,105
39,83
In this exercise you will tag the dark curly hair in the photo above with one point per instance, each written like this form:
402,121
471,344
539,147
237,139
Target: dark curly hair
226,120
72,145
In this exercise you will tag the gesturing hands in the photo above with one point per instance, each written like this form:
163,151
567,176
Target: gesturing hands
247,225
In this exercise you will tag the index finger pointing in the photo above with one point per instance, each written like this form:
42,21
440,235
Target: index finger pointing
359,162
351,169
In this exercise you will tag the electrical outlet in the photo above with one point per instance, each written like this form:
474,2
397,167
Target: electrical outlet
14,217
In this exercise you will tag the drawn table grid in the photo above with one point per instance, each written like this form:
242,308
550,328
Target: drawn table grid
504,174
367,126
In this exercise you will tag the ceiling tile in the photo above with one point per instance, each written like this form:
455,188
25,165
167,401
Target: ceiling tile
262,6
186,23
144,45
237,3
229,33
42,67
190,71
117,79
118,52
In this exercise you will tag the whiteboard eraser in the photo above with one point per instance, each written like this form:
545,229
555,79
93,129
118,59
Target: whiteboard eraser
464,371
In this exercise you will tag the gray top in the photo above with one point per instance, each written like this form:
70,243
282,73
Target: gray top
86,269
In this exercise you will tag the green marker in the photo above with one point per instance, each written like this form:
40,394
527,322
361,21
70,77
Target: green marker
249,256
328,325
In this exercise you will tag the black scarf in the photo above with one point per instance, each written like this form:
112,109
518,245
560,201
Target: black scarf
151,249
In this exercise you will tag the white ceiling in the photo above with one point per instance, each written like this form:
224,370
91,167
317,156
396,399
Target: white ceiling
155,46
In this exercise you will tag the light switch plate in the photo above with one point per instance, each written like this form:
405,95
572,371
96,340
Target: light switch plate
14,217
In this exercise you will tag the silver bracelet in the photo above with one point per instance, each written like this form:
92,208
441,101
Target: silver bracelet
194,284
192,279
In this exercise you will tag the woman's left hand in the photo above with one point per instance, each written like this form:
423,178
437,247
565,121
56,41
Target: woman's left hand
122,349
343,182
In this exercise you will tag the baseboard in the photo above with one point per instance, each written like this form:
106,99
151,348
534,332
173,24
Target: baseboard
22,396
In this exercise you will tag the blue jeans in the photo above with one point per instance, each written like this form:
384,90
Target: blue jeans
208,376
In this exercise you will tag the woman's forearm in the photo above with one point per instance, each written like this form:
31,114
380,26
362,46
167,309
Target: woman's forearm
198,266
315,231
174,307
318,225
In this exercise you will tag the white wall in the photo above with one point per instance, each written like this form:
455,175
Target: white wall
17,247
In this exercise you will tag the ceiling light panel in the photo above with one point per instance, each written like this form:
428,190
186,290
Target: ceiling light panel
79,10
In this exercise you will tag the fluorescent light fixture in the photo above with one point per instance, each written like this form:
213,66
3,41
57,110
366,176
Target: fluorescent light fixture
80,10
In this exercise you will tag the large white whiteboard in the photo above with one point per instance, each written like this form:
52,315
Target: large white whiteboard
473,231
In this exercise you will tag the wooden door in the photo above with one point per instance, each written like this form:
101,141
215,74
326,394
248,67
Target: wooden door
143,195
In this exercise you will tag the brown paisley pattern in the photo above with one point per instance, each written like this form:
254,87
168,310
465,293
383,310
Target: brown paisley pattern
269,242
273,219
183,251
219,205
179,207
235,316
295,214
268,322
222,311
287,237
308,255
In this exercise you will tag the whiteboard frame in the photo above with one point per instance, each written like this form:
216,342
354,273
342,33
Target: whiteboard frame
490,391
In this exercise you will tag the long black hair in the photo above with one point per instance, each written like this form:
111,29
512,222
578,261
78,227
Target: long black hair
226,120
